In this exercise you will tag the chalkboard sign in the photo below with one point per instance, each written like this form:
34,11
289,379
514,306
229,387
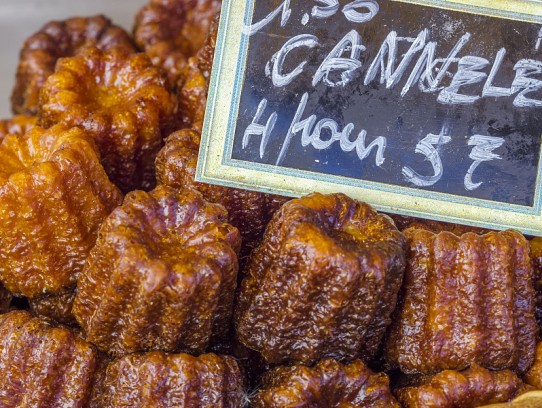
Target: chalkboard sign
426,108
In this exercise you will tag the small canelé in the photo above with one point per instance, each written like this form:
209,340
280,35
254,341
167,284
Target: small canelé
470,388
329,384
162,275
60,39
324,281
249,211
465,299
54,196
121,100
44,366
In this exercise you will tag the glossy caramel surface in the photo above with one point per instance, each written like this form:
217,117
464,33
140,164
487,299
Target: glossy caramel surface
59,39
171,31
44,366
162,275
161,380
329,384
467,299
122,100
54,196
17,125
193,84
324,281
470,388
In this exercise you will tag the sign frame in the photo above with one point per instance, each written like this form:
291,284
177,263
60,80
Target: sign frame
216,166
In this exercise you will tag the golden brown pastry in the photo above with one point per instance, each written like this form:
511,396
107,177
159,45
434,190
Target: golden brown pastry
249,211
43,366
329,384
534,375
323,282
59,39
55,307
194,82
171,31
17,125
465,300
470,388
54,195
122,100
162,275
161,380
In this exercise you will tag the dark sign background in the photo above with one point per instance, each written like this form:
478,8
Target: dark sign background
404,121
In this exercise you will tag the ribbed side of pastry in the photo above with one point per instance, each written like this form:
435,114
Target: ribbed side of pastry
170,31
193,85
122,101
328,384
466,300
43,366
54,195
58,39
161,276
323,283
470,388
249,211
161,380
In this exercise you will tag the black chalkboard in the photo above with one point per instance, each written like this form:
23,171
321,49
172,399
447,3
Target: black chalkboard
468,124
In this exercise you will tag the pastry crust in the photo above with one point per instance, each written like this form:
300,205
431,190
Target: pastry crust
465,300
122,101
162,275
328,384
249,211
194,82
324,281
42,365
534,375
161,380
59,39
171,31
54,195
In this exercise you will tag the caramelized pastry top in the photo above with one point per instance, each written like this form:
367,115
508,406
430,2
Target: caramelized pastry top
249,211
59,39
470,388
17,125
54,195
162,275
329,384
122,101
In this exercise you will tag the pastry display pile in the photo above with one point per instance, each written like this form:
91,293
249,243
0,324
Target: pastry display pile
126,283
